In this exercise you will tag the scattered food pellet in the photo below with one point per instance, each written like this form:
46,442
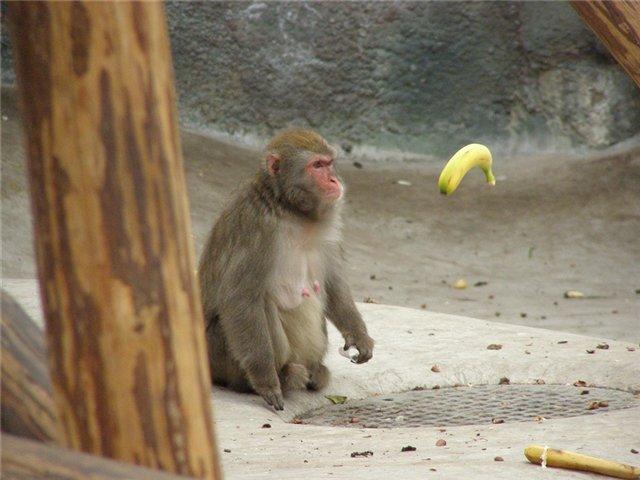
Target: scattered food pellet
480,284
423,306
433,469
441,443
590,351
573,294
498,459
266,425
504,381
597,404
603,346
543,317
497,314
366,453
527,352
539,381
614,311
497,420
227,450
460,284
562,341
633,450
523,315
357,164
372,277
435,369
494,346
390,287
417,389
491,297
631,349
584,392
408,448
579,383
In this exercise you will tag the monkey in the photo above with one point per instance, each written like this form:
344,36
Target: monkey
272,271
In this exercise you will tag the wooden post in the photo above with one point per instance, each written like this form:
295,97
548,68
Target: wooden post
28,460
112,233
617,25
26,404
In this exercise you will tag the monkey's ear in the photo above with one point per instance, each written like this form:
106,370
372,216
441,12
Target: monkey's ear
273,163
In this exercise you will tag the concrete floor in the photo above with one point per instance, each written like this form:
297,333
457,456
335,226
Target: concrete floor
403,361
550,225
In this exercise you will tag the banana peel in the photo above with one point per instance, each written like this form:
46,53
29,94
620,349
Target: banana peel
551,457
473,155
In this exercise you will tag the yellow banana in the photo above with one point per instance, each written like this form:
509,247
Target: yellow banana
473,155
575,461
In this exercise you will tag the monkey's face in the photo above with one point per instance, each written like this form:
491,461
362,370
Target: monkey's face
307,180
321,172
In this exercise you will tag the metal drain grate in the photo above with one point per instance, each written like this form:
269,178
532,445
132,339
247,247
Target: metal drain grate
476,405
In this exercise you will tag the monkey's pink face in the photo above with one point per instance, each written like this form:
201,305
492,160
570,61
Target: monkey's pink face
320,169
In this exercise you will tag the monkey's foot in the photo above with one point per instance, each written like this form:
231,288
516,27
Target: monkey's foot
319,377
294,377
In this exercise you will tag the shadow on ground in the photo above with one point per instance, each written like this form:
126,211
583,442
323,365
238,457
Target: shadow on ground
550,225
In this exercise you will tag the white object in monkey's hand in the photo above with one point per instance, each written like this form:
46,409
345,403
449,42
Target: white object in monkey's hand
352,353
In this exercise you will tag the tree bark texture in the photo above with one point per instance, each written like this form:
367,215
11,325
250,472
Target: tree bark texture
26,404
28,460
617,25
112,233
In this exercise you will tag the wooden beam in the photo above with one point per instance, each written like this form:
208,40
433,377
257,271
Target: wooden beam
26,404
617,25
28,460
112,234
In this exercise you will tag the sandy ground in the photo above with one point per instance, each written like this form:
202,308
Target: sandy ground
550,225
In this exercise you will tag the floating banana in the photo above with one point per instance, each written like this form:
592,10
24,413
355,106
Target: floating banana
549,457
473,155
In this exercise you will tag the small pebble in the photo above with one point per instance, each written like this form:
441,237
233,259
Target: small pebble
435,369
498,459
227,450
504,381
633,450
460,284
266,425
441,443
408,448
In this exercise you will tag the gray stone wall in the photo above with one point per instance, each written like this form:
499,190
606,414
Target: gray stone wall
422,77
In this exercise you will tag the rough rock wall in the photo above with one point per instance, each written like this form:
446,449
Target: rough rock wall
422,77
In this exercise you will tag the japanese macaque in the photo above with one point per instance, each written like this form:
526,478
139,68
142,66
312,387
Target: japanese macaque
272,271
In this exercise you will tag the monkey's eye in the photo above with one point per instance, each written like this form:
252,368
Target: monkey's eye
317,164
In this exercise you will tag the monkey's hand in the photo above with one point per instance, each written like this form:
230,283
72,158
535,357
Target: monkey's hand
272,394
363,342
